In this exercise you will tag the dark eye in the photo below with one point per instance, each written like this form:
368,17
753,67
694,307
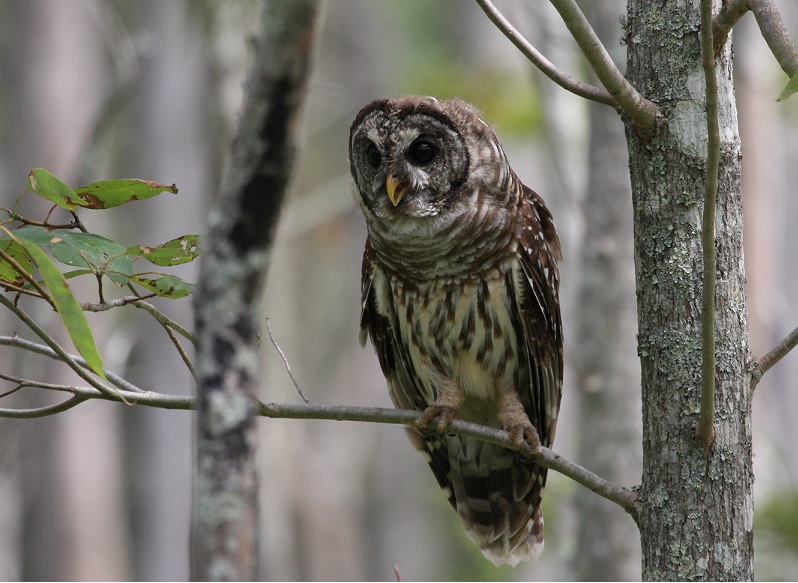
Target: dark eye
421,152
374,156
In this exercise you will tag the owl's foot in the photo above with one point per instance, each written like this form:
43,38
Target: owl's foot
445,408
516,422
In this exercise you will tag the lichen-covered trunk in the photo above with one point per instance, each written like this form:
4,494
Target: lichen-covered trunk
696,511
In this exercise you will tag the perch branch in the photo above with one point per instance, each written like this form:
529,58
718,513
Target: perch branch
706,422
538,60
767,362
624,497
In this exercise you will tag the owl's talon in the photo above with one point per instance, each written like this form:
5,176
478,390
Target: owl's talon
444,414
521,434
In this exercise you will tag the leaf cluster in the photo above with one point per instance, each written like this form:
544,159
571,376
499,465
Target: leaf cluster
38,258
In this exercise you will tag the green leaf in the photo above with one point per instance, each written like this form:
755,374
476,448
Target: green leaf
67,307
174,252
789,89
111,193
101,255
48,186
166,286
8,273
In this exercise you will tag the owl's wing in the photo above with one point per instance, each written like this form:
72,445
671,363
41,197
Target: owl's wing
404,385
537,297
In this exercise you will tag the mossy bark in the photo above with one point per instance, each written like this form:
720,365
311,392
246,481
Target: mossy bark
696,511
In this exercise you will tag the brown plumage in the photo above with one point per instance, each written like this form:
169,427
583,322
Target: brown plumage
460,300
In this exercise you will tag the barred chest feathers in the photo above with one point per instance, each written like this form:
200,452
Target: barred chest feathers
457,331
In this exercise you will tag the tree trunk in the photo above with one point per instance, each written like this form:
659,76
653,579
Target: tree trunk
226,510
696,511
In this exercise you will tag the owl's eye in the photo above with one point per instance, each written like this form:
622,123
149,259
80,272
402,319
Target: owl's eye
421,152
374,156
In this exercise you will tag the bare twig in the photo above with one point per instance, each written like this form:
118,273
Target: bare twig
546,67
706,422
285,361
767,362
17,342
642,111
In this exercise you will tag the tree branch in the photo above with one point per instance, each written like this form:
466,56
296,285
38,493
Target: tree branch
82,371
706,422
770,23
642,111
626,498
767,362
17,342
775,33
548,68
724,21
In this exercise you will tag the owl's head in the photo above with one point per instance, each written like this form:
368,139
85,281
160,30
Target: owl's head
416,159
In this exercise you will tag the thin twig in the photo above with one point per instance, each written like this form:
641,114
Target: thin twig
706,422
28,276
37,412
17,342
767,362
180,350
285,361
546,67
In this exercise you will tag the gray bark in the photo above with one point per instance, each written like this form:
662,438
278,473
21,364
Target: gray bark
695,512
225,521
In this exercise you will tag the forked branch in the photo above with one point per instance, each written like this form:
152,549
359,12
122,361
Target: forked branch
618,92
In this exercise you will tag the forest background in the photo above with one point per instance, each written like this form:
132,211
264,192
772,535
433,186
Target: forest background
96,90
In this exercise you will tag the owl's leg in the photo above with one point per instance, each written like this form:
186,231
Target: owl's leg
445,407
515,420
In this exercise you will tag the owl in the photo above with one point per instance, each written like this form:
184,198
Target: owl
460,300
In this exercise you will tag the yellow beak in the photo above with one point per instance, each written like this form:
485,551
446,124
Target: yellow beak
396,190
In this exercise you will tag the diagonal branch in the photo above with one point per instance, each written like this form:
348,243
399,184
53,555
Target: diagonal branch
770,23
642,111
546,67
767,362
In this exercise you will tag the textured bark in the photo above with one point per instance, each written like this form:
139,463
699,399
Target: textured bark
695,512
225,521
608,375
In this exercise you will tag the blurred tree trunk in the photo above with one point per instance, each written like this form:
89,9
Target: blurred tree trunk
607,374
695,512
226,510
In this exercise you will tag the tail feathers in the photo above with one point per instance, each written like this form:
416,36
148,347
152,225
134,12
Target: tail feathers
525,545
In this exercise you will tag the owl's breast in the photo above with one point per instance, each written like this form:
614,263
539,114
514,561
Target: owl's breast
459,331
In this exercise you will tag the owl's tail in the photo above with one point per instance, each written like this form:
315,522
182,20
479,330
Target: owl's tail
498,499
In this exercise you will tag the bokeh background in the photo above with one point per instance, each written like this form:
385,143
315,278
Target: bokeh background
99,89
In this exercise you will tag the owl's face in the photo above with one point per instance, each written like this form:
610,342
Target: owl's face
413,157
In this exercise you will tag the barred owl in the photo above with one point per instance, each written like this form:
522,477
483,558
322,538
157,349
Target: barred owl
460,300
